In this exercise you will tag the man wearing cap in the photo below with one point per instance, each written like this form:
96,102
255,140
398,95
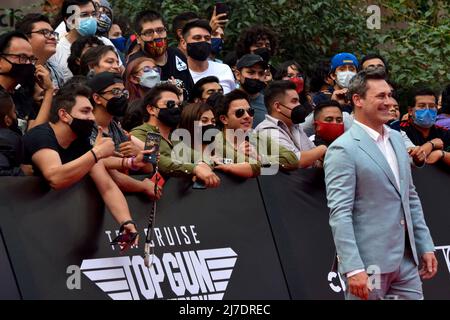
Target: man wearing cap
110,99
343,68
250,73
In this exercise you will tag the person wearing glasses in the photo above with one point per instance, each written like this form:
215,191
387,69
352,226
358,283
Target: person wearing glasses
250,73
17,67
110,100
140,76
282,123
162,115
433,141
76,24
43,40
248,151
151,36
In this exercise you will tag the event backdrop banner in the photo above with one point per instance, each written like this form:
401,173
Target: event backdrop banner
265,238
208,244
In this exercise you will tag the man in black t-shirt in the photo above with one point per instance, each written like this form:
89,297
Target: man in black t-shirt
432,141
60,151
152,38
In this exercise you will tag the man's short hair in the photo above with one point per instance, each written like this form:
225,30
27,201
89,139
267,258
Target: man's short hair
223,104
200,23
275,90
325,104
66,99
146,16
358,84
67,3
6,38
421,91
6,106
197,90
154,95
374,56
180,21
26,24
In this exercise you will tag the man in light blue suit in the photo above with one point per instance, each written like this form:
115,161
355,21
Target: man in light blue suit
375,213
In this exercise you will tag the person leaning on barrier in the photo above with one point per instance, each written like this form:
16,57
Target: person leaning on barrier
61,153
162,115
283,123
237,144
432,141
109,99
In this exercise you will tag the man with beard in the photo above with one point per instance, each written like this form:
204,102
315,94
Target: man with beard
151,36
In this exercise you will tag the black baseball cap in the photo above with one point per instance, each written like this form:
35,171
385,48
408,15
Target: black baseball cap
249,60
103,80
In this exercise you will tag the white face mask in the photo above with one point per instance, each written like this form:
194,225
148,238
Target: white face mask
150,79
343,78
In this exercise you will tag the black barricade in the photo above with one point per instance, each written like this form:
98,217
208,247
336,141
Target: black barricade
209,244
265,238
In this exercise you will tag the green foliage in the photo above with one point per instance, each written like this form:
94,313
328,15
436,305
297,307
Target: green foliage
419,48
415,34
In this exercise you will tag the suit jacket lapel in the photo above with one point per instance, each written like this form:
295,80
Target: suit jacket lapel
398,146
369,146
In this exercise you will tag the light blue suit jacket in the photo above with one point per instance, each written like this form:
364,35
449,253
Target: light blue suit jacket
369,214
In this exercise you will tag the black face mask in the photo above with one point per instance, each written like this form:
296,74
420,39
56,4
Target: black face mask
299,114
253,86
15,127
22,73
209,139
170,117
117,106
199,51
263,53
82,127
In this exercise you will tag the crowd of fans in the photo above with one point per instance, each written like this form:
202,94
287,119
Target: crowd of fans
78,97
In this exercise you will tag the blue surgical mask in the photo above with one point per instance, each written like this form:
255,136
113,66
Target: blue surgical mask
216,45
87,26
150,79
119,43
425,118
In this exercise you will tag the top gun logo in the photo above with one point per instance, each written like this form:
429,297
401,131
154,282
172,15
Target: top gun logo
201,274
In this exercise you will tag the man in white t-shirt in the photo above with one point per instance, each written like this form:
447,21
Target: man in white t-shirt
75,25
197,42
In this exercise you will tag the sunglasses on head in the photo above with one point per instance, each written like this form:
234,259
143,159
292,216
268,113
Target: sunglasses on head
239,113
